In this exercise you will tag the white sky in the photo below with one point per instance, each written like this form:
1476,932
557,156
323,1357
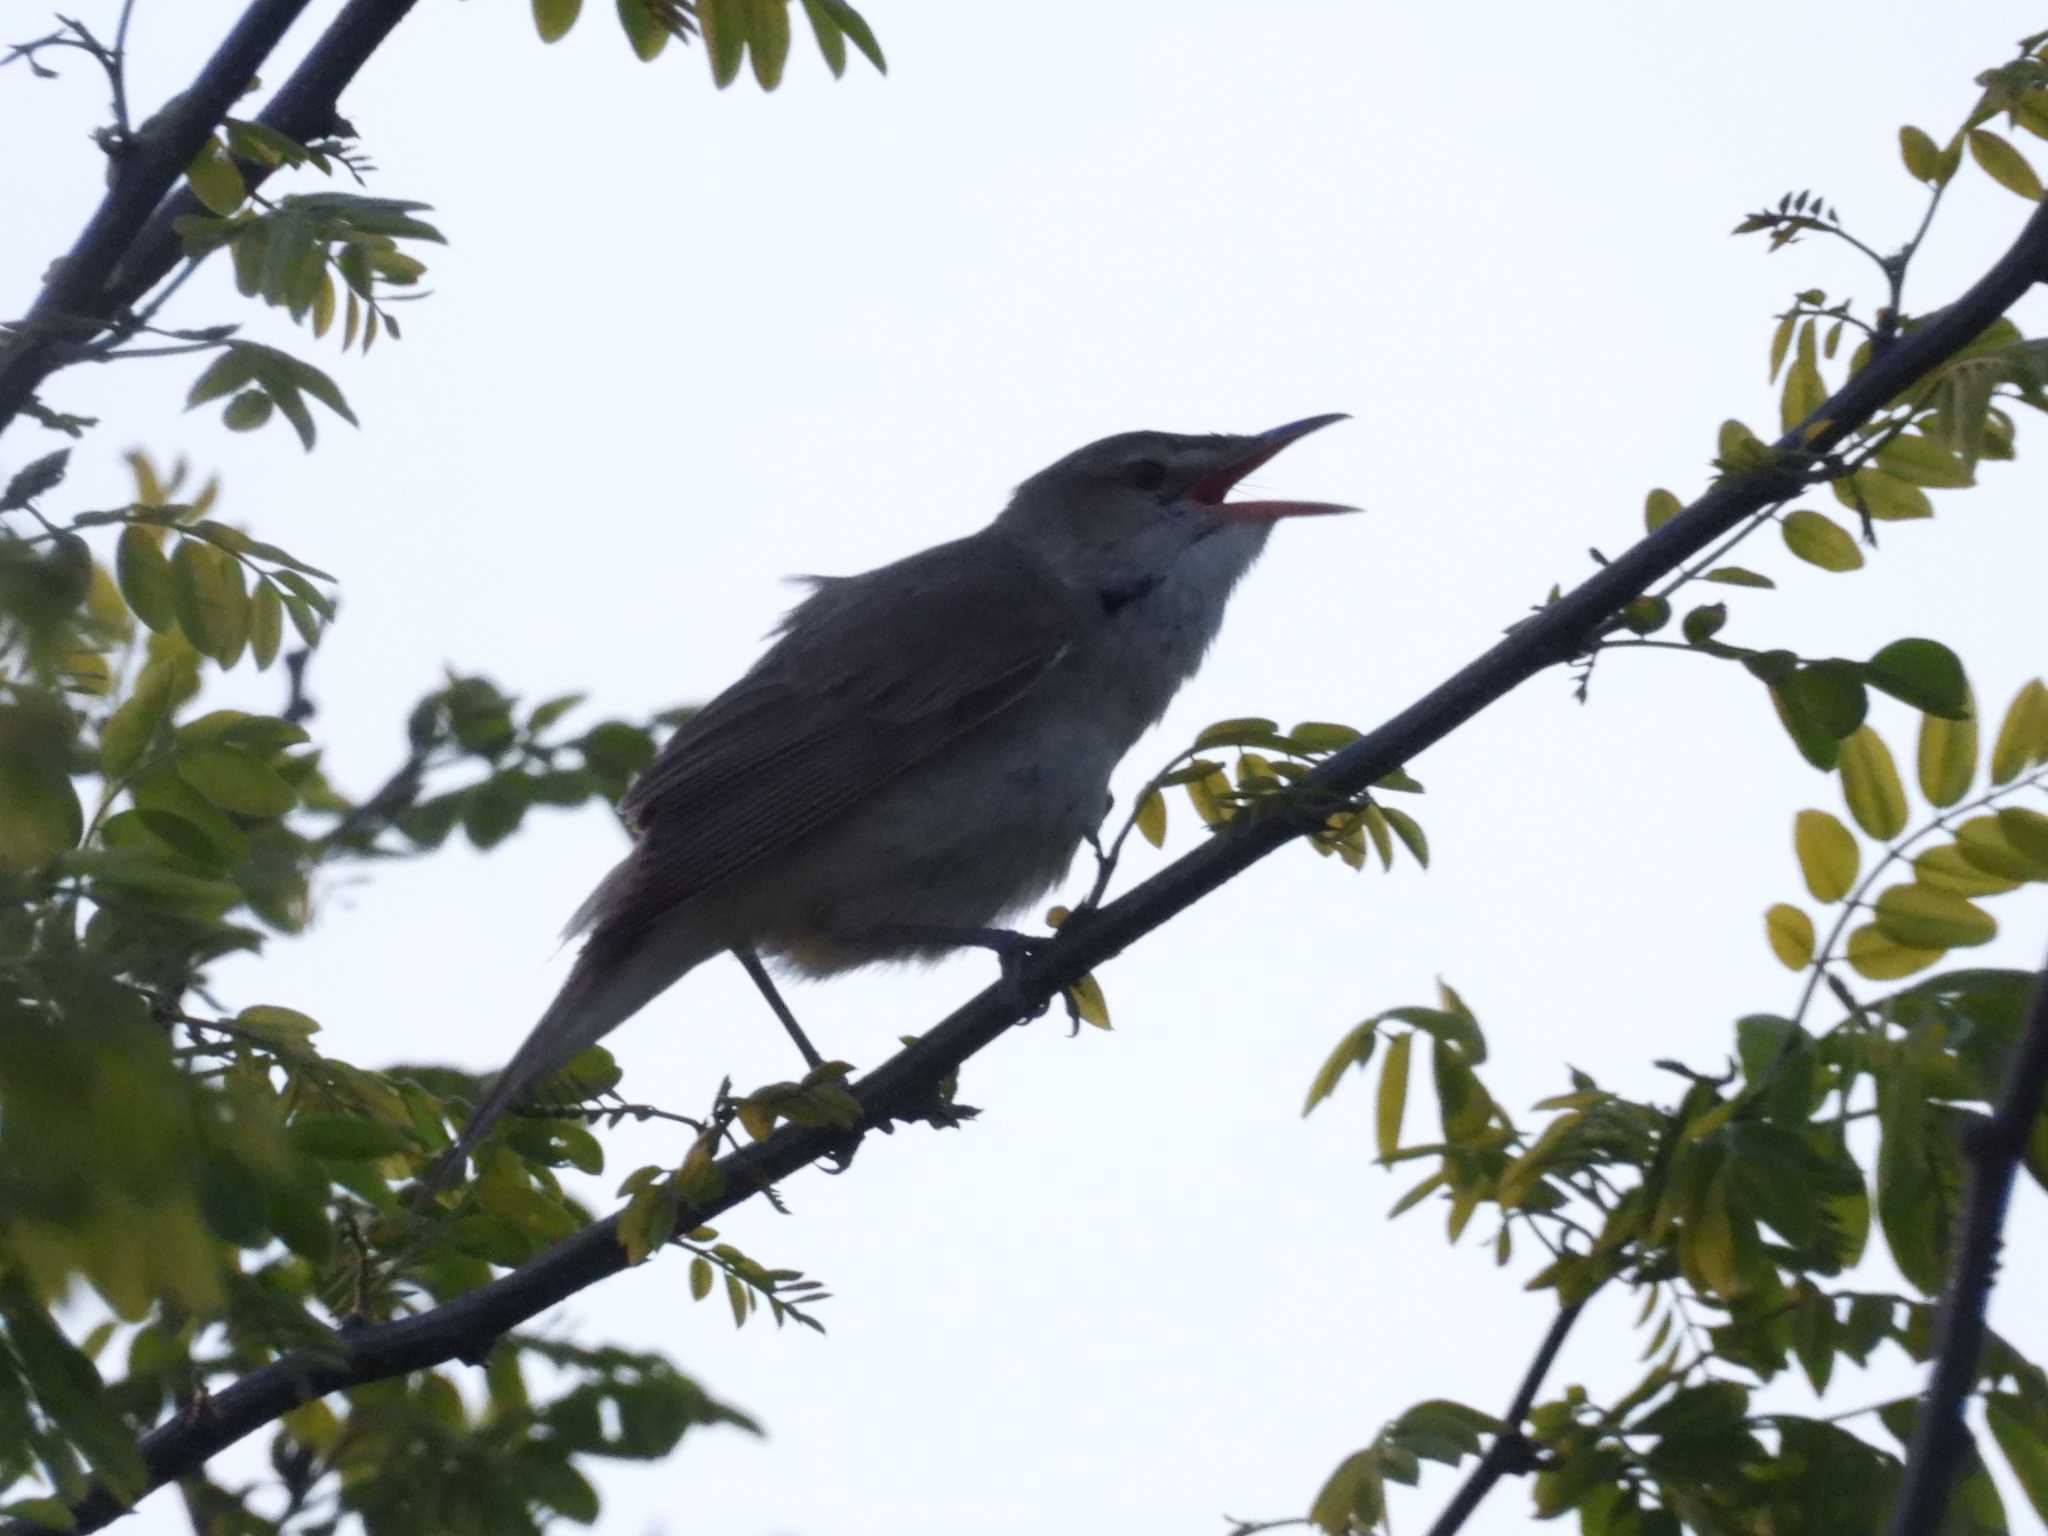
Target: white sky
684,343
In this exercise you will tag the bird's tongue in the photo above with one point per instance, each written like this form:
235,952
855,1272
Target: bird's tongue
1210,490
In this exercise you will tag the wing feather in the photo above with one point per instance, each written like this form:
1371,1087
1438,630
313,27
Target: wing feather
871,676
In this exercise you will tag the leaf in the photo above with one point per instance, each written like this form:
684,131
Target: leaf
2027,831
723,23
1151,818
1983,845
1737,576
2020,1426
553,18
1920,460
144,572
236,781
2004,164
1660,506
346,1137
215,179
700,1278
1086,997
1816,743
1790,932
130,729
2023,734
213,608
1874,955
1870,785
855,26
768,40
247,411
1821,541
1923,160
40,816
1948,754
1829,856
1882,497
831,41
266,624
1410,832
1247,731
68,1387
1921,917
1923,673
1392,1101
1354,1050
1830,694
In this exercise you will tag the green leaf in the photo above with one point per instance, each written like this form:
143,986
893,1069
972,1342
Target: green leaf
1829,856
768,40
40,816
1820,541
831,41
144,572
1923,160
1920,460
2004,164
1948,754
2023,734
643,30
130,729
1391,1105
1659,507
1870,785
1883,497
347,1137
68,1387
1354,1050
1921,917
1790,934
236,781
724,25
2027,831
1925,674
266,624
1983,844
213,607
1151,818
553,18
1816,743
1409,831
247,411
215,180
2020,1426
1737,576
1704,622
855,26
1831,694
1946,869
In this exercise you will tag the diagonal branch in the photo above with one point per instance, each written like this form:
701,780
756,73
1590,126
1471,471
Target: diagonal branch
135,248
1510,1451
1994,1148
145,169
903,1085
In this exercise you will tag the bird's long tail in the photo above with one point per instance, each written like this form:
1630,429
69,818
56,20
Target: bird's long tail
614,978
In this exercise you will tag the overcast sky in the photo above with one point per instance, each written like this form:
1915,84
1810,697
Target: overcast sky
684,343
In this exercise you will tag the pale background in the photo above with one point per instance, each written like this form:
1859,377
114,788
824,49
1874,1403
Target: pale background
685,343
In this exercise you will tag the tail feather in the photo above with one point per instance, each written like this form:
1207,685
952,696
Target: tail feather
612,980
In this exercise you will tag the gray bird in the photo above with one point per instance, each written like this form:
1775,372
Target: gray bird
924,747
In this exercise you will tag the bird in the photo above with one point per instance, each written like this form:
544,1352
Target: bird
923,748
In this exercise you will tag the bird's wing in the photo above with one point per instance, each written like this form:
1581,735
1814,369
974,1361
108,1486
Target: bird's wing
872,675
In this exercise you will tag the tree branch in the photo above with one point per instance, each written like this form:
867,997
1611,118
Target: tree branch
141,246
145,170
1994,1148
1510,1449
463,1329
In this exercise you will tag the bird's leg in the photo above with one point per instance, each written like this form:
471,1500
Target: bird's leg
751,962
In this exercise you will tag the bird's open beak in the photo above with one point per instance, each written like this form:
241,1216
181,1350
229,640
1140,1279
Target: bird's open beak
1218,483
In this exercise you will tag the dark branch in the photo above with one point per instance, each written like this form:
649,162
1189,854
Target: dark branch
141,245
145,170
1994,1148
903,1085
1510,1449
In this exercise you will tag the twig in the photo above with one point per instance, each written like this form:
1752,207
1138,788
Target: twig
1510,1451
903,1085
1993,1147
141,179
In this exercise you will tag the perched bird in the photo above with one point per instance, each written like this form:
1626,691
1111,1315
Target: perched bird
924,747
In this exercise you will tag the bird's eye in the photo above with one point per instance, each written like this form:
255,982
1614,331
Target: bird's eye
1145,474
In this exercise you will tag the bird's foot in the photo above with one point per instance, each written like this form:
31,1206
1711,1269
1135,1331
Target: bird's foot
1011,949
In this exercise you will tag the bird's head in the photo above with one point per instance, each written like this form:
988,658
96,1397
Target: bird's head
1137,501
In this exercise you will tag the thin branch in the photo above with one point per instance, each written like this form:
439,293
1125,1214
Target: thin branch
1994,1147
902,1086
142,177
1510,1451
